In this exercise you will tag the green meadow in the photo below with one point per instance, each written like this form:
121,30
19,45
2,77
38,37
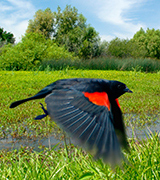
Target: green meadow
140,108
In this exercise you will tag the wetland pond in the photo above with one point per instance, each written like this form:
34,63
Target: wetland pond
38,143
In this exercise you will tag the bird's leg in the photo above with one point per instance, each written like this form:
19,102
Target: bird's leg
39,117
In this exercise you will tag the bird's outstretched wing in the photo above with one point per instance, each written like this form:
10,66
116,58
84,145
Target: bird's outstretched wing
88,124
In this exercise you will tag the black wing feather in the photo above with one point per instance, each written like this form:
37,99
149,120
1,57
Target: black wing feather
88,124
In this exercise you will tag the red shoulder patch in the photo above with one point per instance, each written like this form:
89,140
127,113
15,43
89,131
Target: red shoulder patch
98,98
117,102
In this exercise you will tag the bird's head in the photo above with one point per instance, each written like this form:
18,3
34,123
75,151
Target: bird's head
117,89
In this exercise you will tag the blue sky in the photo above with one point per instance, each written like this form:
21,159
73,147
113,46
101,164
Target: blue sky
111,18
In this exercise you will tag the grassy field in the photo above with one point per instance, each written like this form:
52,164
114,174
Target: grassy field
141,107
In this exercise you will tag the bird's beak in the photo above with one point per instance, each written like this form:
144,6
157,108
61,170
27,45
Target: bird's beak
128,90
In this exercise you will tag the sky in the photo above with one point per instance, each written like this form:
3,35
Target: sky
110,18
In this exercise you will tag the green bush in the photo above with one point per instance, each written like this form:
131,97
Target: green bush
144,44
29,53
118,48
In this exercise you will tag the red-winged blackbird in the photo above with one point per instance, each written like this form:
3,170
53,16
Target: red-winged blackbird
89,111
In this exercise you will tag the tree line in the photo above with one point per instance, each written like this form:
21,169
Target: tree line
68,30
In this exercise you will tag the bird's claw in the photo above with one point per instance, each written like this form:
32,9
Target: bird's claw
39,117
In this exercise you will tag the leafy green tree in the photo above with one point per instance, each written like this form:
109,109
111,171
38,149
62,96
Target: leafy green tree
92,40
153,43
73,32
147,44
67,28
30,52
143,44
138,43
119,48
6,37
42,23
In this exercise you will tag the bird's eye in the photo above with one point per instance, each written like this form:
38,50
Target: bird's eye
119,86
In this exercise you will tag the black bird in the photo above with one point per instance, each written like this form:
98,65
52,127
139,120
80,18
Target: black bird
89,111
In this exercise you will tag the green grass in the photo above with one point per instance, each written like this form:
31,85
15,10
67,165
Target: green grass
140,108
142,163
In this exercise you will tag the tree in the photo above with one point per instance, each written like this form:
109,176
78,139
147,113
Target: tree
42,23
30,52
138,43
147,43
119,48
153,43
73,32
6,37
67,28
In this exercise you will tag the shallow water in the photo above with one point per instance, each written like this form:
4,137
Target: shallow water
143,133
10,143
37,144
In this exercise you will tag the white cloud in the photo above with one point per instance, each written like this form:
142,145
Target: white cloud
14,16
112,10
116,13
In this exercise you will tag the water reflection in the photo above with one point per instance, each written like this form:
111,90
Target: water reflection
37,144
10,143
143,133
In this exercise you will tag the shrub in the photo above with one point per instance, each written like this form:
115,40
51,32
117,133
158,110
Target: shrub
30,52
119,48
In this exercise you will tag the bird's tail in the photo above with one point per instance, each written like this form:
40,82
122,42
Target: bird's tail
41,94
16,103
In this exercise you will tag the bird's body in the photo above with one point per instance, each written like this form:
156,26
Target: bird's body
88,110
